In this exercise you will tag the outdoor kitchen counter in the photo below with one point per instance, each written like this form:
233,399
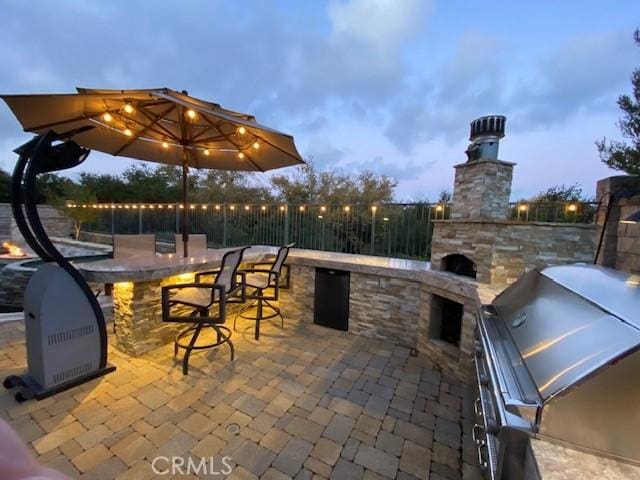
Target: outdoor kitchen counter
141,269
138,281
556,462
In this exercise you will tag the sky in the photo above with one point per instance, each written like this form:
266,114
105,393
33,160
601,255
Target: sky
385,85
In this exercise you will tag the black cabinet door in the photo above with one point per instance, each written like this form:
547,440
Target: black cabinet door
331,303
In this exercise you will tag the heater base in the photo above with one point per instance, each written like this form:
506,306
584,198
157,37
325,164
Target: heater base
29,388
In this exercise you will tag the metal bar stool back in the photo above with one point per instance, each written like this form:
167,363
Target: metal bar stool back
197,300
264,284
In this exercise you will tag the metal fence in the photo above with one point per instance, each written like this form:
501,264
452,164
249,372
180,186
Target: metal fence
401,230
393,230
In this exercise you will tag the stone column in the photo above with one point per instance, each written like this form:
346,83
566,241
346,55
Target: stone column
609,192
482,189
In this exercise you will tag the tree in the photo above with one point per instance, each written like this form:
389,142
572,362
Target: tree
561,193
309,185
620,155
444,196
80,215
217,186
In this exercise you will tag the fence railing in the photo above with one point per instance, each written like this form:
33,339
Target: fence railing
554,212
402,230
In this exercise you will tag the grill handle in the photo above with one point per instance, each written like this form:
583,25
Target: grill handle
484,464
477,439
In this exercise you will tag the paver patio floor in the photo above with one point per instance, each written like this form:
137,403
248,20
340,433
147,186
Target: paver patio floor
303,402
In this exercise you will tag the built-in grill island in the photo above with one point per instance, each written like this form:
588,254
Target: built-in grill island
558,357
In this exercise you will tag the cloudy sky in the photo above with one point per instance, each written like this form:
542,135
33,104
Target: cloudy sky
386,85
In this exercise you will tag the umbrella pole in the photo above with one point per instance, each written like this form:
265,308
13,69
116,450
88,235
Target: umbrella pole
185,212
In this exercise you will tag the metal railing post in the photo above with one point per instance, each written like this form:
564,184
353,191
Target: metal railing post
139,219
113,221
224,225
286,224
373,230
177,207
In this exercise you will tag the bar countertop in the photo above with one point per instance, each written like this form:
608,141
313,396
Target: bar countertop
140,269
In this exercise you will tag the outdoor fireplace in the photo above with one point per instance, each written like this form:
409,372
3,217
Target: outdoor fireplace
460,265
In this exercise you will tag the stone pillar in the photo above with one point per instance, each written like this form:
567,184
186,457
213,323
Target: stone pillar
610,192
482,189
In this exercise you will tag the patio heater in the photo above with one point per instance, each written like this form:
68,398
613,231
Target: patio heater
65,328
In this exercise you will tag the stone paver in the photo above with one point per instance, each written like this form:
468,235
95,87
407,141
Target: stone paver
309,404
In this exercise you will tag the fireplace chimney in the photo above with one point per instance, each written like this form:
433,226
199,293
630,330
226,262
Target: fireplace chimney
485,136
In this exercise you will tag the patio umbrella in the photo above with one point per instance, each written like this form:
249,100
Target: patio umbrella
159,125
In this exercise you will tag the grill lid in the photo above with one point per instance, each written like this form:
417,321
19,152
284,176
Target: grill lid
568,321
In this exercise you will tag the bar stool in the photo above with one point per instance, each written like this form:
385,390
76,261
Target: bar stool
200,297
260,280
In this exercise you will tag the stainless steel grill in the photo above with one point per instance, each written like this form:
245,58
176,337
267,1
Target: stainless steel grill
558,357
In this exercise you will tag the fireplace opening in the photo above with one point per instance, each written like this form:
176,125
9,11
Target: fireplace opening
460,265
445,320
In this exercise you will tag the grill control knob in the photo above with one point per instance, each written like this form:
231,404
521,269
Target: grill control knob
491,426
478,350
484,380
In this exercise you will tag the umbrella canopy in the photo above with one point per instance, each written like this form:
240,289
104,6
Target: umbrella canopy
159,125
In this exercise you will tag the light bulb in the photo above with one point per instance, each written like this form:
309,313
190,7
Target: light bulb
217,207
347,208
232,207
165,145
256,146
207,152
191,114
240,155
439,208
242,130
573,208
107,117
302,208
282,208
128,132
204,207
320,216
263,208
246,207
522,208
192,207
128,108
374,209
323,209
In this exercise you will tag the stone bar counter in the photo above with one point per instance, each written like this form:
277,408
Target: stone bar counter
396,300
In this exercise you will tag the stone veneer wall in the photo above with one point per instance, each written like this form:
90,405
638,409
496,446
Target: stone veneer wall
503,251
482,189
628,241
141,300
55,223
446,356
297,300
384,308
